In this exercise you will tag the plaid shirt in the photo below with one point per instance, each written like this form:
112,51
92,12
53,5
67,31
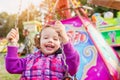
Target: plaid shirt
41,67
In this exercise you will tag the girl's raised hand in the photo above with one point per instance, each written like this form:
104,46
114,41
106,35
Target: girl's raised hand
60,28
13,35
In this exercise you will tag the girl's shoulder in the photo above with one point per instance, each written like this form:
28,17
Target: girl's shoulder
34,55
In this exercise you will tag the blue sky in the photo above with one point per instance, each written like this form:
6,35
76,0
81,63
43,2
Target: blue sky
12,6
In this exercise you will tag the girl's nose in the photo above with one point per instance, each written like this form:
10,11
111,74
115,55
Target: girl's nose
50,40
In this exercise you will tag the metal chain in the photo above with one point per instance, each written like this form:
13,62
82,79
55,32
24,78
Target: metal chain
19,9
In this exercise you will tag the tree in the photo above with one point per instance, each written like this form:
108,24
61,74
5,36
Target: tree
8,23
11,19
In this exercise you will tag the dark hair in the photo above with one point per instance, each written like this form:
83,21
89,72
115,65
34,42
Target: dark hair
37,41
25,30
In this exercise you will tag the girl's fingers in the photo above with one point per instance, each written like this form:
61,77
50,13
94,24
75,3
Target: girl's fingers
58,22
12,34
15,31
10,37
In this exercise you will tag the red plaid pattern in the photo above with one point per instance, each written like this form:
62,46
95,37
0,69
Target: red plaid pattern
40,67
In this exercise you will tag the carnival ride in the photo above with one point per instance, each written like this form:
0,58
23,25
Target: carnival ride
98,61
109,27
96,56
111,30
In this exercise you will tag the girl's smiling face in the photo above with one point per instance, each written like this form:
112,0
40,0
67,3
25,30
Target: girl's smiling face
49,41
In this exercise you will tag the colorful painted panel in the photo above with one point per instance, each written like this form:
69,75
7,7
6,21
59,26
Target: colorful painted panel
92,65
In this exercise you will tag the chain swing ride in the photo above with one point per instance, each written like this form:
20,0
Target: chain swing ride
101,54
104,51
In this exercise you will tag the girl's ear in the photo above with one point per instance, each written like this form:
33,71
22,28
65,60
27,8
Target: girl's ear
38,42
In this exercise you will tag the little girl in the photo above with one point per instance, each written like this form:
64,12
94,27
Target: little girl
47,63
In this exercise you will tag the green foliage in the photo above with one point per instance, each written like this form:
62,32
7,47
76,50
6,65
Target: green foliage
100,9
6,25
83,1
4,75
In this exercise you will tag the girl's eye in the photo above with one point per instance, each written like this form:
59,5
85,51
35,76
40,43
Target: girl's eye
55,39
45,37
